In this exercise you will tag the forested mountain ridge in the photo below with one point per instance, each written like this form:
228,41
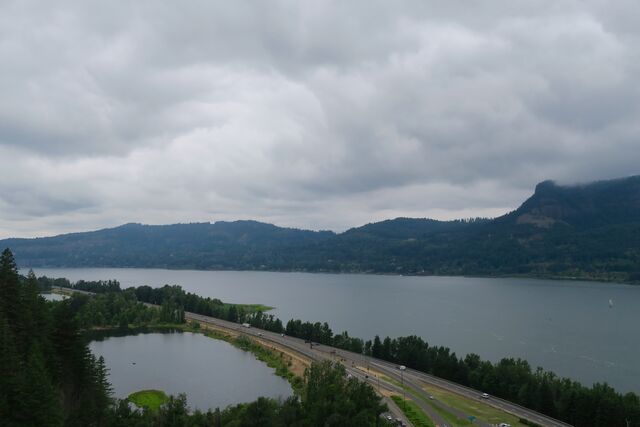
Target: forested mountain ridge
589,231
223,245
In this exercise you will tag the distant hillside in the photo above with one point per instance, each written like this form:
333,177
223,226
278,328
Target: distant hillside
223,245
589,231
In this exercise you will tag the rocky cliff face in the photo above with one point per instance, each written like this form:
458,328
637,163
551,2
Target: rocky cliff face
591,204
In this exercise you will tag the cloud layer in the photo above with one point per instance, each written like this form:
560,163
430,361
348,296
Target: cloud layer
316,115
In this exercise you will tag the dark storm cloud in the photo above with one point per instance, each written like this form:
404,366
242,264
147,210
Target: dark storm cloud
315,114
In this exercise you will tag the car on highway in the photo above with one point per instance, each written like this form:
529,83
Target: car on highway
504,425
484,396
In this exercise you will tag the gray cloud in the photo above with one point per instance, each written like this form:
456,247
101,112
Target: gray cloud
322,115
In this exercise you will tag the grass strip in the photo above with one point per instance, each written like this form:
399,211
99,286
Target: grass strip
149,399
273,359
451,418
481,410
417,417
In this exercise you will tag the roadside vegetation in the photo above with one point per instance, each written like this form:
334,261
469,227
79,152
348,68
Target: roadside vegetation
448,416
415,415
484,412
272,358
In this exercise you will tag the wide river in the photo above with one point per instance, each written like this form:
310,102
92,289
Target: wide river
212,373
567,327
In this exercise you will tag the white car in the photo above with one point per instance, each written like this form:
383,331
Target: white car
484,396
504,425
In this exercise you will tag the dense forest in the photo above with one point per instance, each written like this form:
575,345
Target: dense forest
48,377
588,231
512,379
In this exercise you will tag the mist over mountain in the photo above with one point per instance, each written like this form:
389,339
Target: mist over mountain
589,231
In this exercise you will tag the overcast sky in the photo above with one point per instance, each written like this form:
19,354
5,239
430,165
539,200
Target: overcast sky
314,114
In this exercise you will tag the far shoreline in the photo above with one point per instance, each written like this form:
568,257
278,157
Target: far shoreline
570,279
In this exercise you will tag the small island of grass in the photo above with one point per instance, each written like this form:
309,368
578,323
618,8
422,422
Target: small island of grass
252,308
150,399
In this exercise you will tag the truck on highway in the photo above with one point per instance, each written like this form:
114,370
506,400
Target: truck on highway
246,325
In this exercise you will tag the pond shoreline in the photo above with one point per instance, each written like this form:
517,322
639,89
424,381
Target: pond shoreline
285,364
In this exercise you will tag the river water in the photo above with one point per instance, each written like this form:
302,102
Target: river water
567,327
212,373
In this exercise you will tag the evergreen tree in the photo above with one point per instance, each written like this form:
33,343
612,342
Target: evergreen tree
261,412
35,316
10,295
232,315
174,413
376,348
12,408
102,387
40,396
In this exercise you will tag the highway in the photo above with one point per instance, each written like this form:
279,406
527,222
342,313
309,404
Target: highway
413,379
417,376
